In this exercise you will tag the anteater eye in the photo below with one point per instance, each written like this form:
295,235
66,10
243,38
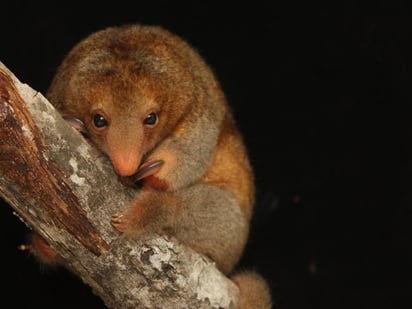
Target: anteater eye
99,121
150,119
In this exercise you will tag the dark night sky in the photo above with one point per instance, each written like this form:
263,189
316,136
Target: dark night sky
314,90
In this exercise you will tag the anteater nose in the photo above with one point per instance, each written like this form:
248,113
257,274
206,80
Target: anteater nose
125,166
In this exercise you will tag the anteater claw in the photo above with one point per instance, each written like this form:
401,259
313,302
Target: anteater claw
147,169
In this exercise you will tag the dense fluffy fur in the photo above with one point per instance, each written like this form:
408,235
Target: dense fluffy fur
146,96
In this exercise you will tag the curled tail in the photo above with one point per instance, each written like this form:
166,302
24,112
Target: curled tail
254,291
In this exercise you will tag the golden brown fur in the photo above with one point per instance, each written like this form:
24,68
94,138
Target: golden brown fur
145,95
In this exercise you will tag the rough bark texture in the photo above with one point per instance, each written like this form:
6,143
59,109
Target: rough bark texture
64,189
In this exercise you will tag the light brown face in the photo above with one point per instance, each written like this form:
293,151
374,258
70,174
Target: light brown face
131,89
123,119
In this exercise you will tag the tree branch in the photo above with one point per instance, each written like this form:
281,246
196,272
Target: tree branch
66,190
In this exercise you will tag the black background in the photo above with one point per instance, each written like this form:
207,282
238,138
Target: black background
315,89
